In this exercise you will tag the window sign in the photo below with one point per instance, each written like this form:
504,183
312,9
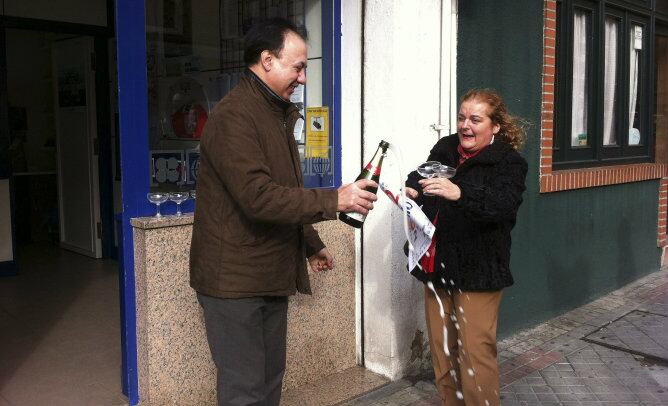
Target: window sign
637,37
318,169
192,166
317,132
318,152
166,169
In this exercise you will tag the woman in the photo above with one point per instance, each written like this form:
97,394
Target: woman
474,212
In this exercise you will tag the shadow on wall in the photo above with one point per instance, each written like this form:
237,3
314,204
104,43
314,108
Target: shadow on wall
567,284
627,270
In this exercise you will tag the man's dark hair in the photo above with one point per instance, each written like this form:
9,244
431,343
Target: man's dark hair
267,35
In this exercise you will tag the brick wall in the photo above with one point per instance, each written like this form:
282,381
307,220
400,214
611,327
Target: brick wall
556,181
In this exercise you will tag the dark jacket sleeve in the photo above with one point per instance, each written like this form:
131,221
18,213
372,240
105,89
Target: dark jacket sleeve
499,199
412,182
239,162
312,241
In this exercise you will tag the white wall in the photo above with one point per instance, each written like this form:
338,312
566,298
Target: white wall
401,102
6,246
93,12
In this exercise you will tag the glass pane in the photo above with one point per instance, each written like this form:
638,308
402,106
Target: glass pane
635,81
195,57
610,81
662,6
580,105
661,89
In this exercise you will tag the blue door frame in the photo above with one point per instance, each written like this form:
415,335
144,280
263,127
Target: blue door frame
133,130
134,148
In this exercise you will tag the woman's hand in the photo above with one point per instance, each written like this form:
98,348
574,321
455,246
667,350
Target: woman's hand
441,187
412,193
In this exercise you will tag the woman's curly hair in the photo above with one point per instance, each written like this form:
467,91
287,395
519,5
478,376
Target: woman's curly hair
512,129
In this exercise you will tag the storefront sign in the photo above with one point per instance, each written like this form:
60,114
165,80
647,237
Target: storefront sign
317,132
166,167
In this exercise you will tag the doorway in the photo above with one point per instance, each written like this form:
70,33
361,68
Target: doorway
59,315
60,155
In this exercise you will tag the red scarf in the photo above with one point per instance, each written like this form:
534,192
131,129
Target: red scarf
463,155
428,259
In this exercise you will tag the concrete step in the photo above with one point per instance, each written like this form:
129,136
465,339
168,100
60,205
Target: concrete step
335,388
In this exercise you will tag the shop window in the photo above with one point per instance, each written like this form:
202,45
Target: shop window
603,100
195,57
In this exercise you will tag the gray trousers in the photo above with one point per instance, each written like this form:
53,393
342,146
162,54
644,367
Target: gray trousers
247,342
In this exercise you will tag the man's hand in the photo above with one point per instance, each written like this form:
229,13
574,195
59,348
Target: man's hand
353,197
321,261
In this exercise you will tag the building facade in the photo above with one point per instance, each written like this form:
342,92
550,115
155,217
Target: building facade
587,77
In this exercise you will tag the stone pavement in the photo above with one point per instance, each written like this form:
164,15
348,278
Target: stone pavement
552,365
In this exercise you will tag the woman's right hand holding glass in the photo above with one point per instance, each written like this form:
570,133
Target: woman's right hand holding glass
441,187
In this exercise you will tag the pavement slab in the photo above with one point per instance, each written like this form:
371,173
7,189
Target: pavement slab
638,332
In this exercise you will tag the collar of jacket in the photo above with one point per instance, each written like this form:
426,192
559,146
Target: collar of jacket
491,154
274,100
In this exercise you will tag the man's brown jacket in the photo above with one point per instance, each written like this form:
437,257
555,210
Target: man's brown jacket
252,231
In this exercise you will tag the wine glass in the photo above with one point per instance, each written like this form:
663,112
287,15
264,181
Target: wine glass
444,171
427,170
157,198
178,198
193,194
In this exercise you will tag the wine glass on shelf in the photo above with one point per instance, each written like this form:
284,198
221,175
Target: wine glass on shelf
427,170
157,198
178,198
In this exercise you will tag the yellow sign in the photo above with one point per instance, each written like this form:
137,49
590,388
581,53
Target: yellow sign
317,132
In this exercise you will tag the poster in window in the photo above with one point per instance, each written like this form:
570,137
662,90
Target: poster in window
317,132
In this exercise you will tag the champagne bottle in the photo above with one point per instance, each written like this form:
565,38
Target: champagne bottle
371,171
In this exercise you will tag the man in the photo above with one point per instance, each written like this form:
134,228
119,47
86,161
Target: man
252,231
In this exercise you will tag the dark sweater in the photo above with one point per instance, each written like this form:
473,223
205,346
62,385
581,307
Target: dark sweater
473,233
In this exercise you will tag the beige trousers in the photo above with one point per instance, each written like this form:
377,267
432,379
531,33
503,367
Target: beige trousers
469,375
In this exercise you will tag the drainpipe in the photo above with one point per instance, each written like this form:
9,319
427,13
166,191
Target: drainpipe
360,360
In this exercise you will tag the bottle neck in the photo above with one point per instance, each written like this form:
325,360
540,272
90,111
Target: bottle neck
376,162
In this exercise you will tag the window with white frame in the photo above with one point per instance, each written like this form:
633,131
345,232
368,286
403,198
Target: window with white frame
604,96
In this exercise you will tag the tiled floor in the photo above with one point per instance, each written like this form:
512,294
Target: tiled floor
60,331
551,365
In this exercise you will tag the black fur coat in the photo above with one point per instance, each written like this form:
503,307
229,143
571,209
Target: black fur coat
473,233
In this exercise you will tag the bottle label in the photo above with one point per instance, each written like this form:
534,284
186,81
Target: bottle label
355,215
372,169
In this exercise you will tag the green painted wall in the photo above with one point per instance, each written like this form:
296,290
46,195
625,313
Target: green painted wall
568,247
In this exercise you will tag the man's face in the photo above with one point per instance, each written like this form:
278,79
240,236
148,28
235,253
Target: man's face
288,70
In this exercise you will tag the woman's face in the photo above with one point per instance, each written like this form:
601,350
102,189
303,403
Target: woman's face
474,127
